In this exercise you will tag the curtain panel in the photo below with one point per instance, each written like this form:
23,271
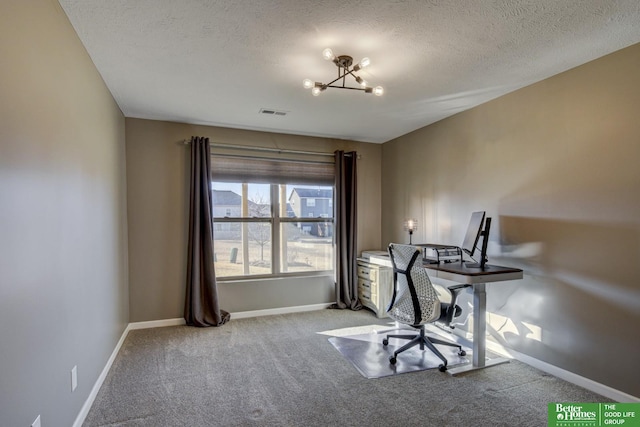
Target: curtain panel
346,231
201,302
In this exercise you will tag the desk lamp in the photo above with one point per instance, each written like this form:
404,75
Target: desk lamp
411,225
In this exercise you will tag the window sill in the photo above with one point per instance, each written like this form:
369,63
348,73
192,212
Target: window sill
240,279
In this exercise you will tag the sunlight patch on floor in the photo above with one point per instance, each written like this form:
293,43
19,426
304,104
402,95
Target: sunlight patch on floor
357,330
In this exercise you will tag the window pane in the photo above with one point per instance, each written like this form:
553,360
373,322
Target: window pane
305,201
228,200
242,248
306,246
259,196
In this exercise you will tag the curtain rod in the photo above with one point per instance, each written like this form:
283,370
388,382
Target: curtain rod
239,156
273,150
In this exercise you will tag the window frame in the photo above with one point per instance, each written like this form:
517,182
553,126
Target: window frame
276,221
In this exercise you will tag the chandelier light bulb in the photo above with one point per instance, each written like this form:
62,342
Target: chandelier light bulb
328,54
316,91
364,62
378,91
308,84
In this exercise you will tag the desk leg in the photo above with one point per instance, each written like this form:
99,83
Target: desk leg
479,359
479,324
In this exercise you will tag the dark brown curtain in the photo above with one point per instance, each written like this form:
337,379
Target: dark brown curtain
345,232
201,302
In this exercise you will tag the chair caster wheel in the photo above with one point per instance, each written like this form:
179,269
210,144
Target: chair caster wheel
385,341
442,368
392,360
462,353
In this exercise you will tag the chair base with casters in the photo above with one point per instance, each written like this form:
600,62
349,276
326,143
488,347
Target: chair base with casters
423,340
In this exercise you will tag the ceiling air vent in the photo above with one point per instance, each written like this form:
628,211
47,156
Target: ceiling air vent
273,112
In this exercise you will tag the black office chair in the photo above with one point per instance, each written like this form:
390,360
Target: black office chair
415,302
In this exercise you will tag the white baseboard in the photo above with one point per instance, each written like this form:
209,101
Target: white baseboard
84,411
283,310
563,374
156,324
596,387
236,315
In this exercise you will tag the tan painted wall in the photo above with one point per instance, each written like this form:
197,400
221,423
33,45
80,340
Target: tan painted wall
63,234
157,184
556,165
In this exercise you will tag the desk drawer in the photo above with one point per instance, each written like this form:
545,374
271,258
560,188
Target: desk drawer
364,289
367,273
375,285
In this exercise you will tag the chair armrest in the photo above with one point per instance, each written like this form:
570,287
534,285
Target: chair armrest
455,290
451,311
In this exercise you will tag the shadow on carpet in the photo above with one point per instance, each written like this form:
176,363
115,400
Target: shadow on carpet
367,354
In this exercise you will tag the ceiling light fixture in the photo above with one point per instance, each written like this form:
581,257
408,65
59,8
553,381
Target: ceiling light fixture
344,63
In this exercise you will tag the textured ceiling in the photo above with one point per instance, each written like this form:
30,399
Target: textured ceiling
220,62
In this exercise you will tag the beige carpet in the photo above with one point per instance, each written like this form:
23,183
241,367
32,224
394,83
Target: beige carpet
282,371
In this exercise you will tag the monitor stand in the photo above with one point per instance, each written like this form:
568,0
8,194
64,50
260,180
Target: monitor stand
483,252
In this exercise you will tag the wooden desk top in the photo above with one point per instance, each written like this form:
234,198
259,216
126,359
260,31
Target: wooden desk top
457,271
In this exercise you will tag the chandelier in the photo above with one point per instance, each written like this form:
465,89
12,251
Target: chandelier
344,63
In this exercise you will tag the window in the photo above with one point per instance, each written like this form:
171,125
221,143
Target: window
311,202
264,231
269,232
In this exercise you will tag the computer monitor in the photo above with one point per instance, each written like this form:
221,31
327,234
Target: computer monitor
474,230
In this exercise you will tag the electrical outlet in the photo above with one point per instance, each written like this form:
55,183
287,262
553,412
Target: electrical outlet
74,378
36,423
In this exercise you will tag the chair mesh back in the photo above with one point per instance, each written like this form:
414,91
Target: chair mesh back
415,301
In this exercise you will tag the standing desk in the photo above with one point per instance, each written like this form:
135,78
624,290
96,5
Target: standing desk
477,278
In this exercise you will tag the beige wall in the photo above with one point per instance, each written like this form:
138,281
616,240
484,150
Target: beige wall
556,167
63,235
157,184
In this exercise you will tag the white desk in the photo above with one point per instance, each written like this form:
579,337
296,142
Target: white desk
478,278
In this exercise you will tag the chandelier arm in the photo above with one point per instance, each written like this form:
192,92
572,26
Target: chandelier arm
350,72
346,87
344,77
335,80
